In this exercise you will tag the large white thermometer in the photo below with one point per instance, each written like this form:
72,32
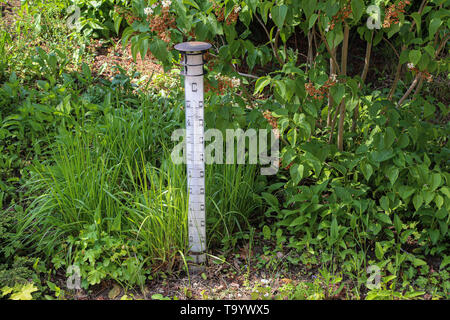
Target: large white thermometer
192,62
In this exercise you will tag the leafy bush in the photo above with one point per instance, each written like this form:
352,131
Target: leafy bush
96,18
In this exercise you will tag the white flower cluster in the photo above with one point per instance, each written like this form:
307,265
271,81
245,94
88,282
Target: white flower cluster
410,65
235,82
166,3
237,9
149,10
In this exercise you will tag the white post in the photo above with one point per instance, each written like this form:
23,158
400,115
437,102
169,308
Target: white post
192,62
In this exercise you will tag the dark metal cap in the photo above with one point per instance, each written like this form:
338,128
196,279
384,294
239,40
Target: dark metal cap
192,46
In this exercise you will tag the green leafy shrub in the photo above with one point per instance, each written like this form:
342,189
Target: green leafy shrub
98,19
100,256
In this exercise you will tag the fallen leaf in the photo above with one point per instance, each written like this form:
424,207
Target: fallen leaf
114,292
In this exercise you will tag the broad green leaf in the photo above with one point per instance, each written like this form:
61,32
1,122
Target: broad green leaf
279,15
296,172
414,56
280,87
381,155
266,232
434,235
271,199
392,174
379,251
312,20
417,200
367,170
384,203
308,7
443,226
405,192
418,262
439,201
435,23
261,83
389,137
441,214
6,290
398,223
357,9
298,221
334,229
417,18
383,217
24,292
159,49
403,141
428,196
117,22
428,110
404,56
430,50
435,181
143,47
446,191
192,3
444,262
337,92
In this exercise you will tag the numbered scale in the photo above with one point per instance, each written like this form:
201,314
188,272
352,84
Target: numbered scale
192,62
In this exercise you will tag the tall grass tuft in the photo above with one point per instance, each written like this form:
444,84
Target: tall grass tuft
231,201
157,210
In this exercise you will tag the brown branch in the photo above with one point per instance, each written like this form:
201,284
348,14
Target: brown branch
410,89
393,48
367,60
327,46
419,86
310,50
277,35
396,77
333,123
442,45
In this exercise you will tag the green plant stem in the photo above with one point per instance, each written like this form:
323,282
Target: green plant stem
340,139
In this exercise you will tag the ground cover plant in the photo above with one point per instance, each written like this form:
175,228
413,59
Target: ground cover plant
358,91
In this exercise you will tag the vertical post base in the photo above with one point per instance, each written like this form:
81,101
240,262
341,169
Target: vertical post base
198,264
199,258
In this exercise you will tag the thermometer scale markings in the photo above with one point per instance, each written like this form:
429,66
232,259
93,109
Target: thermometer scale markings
195,168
